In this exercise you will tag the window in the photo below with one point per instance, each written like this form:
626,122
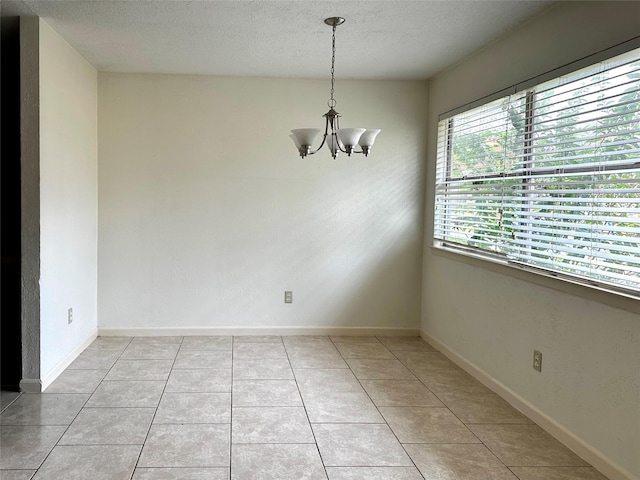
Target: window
548,177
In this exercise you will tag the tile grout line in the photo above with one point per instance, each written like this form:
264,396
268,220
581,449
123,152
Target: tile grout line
57,444
445,405
452,413
443,393
295,379
378,410
233,347
19,394
480,442
133,472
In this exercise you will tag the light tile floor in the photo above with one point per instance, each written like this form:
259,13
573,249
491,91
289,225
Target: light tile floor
269,407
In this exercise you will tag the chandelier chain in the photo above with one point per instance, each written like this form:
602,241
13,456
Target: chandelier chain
332,102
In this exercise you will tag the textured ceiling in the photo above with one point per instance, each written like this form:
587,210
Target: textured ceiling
398,39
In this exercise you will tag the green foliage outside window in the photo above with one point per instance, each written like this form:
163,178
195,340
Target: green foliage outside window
536,177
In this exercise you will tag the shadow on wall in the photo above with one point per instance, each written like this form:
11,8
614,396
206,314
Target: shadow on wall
386,292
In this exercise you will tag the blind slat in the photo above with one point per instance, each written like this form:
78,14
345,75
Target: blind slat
549,177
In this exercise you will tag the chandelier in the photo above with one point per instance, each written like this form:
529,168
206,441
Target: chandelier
345,140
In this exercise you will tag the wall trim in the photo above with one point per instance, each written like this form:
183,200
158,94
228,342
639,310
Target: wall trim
597,294
182,331
66,361
599,461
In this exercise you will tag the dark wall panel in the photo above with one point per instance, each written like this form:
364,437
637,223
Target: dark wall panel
10,323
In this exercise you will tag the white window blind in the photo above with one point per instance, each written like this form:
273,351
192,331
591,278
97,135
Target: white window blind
549,177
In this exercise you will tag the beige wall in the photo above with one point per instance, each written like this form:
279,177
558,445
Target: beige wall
590,383
68,200
207,213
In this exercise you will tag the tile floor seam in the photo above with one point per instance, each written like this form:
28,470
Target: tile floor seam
156,407
452,413
98,444
11,402
349,423
306,412
274,443
444,443
456,416
381,415
467,409
459,419
499,423
472,432
231,411
512,472
491,450
57,444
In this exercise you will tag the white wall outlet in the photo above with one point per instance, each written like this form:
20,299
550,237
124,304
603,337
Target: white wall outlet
288,296
70,316
537,360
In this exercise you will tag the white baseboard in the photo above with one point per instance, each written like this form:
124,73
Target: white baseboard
182,331
553,427
55,372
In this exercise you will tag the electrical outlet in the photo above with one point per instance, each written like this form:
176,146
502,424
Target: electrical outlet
537,360
288,296
70,316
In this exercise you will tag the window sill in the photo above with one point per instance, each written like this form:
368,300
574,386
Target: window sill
608,297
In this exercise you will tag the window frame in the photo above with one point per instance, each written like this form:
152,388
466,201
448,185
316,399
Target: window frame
621,297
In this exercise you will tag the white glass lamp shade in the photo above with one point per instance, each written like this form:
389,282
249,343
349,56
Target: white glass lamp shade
295,141
350,136
368,137
305,136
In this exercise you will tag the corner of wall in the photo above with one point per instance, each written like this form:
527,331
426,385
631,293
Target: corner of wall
68,183
30,197
588,452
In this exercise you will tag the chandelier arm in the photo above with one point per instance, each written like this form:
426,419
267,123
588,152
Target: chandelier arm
324,137
343,150
324,140
335,131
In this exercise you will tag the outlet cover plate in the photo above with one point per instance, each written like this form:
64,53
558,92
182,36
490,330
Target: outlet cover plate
288,296
537,360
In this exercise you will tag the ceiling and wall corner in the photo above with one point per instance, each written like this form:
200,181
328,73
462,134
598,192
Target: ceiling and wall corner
388,39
